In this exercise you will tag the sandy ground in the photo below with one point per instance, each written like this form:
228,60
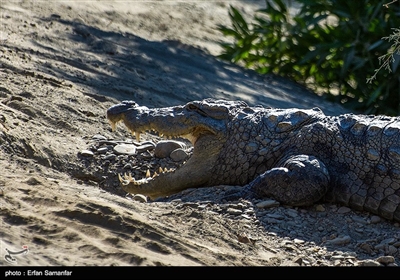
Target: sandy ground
62,64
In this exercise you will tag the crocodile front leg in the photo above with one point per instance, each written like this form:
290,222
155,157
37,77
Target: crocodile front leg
298,180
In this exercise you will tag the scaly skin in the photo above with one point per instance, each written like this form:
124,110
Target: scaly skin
296,156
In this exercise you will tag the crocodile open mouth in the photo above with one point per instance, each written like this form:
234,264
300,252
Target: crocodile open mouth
161,172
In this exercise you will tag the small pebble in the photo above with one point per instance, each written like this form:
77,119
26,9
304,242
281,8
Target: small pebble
343,210
125,149
267,204
368,263
178,155
87,153
375,219
164,148
145,147
99,137
140,198
234,211
385,259
102,150
339,240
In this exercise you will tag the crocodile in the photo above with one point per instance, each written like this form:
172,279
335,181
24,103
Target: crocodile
295,156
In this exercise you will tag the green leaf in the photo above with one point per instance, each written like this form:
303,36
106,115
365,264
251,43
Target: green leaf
282,7
347,61
239,24
375,94
229,32
375,45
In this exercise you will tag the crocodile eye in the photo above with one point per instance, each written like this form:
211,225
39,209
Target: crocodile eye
191,107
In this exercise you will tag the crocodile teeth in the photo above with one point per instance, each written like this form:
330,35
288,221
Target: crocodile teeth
127,179
124,180
141,181
190,137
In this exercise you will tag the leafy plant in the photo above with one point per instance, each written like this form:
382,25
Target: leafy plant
331,46
388,60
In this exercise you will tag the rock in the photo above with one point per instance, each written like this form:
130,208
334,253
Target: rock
368,263
298,260
267,203
86,153
375,219
164,148
190,204
237,205
178,155
276,216
339,240
242,237
234,211
102,150
99,137
127,166
125,149
140,198
292,213
389,240
245,216
367,248
385,260
343,210
109,157
145,147
33,181
359,220
268,220
290,247
396,244
319,208
337,257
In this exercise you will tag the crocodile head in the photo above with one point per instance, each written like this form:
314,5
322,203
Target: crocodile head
204,123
